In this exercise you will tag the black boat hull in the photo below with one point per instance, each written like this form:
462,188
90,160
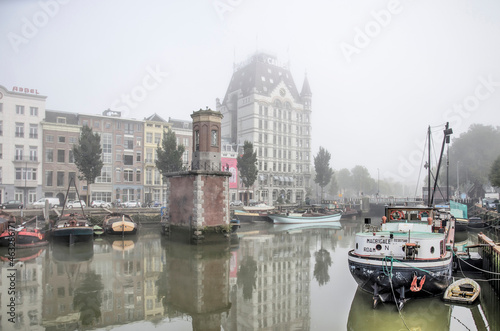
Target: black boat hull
373,275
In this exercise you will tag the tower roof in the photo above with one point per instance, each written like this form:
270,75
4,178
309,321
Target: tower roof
261,73
306,89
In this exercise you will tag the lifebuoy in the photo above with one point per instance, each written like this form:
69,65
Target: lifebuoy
397,215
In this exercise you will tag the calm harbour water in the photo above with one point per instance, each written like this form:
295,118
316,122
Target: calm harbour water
268,278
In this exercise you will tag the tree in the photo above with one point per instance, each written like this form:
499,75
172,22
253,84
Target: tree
247,165
361,180
323,262
169,154
494,175
323,171
87,154
472,155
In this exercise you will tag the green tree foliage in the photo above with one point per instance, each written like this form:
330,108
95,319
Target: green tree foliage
472,154
247,165
494,175
362,181
87,154
323,171
169,154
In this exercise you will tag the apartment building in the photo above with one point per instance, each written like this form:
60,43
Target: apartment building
21,111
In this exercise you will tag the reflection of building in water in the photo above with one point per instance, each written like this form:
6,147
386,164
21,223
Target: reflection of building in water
196,283
154,258
28,292
119,262
64,270
280,294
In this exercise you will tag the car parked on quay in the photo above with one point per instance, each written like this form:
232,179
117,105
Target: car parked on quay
131,204
12,204
100,204
75,204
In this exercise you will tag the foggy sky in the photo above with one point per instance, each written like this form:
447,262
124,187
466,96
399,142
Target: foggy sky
380,72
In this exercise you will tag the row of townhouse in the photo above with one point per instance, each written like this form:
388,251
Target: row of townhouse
36,157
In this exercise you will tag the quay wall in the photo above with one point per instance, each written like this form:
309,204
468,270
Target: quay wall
490,252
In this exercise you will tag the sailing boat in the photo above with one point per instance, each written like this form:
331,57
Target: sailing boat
410,254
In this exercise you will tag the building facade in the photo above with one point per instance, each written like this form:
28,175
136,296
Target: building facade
60,132
154,129
121,177
21,112
263,106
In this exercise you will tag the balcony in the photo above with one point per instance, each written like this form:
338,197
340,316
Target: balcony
28,183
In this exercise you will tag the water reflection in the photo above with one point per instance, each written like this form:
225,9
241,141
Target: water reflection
267,277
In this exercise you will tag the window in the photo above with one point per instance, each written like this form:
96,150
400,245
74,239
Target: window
106,139
138,156
34,111
60,178
118,139
19,130
128,176
1,107
19,153
60,155
72,176
49,138
61,120
33,153
71,156
215,140
197,140
72,140
138,141
97,124
1,153
105,176
138,176
129,143
149,155
149,137
149,176
157,138
19,110
129,128
48,177
157,177
49,155
85,122
34,131
128,159
61,139
1,128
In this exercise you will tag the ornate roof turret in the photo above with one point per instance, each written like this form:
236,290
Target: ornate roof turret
306,89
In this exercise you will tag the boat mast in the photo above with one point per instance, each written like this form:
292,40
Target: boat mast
446,139
429,204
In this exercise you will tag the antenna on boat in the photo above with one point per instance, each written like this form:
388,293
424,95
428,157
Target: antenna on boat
446,140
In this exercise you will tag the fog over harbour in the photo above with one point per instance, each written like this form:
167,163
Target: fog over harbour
380,72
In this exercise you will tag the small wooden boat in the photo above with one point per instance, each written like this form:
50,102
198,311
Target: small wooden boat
98,230
118,223
464,290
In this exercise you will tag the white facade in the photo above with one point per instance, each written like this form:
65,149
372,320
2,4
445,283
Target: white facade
21,112
263,106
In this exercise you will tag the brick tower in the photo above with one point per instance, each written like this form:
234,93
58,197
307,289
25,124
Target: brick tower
198,199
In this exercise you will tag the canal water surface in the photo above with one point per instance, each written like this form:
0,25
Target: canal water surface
268,278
